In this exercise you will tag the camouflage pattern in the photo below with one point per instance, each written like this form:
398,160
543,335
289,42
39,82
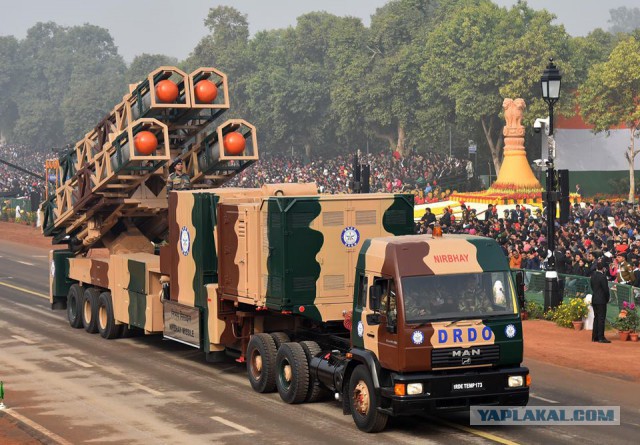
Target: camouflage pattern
59,282
178,182
305,262
134,282
422,255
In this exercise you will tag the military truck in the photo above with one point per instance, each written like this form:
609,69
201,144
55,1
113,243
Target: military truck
317,294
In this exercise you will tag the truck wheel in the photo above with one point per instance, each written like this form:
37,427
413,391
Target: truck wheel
364,402
107,326
279,338
74,305
261,363
90,310
292,373
315,391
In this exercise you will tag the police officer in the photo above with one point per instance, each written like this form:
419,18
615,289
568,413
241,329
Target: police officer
178,180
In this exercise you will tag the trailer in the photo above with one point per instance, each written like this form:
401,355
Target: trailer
319,295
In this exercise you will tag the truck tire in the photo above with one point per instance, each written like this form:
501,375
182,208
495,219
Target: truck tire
261,363
292,373
74,305
279,338
107,326
364,402
90,310
315,391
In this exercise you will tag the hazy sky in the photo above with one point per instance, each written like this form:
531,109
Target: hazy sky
174,27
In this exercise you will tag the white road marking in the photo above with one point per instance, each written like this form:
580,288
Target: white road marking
24,340
39,256
153,392
233,425
39,428
542,398
78,362
24,262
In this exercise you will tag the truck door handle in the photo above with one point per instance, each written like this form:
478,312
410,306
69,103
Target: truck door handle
370,335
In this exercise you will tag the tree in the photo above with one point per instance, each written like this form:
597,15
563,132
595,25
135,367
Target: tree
225,48
396,53
611,96
8,80
478,54
69,78
624,20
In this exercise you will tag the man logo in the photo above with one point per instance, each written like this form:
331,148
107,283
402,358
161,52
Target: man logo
466,361
465,353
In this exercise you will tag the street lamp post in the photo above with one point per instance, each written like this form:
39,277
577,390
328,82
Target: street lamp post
550,83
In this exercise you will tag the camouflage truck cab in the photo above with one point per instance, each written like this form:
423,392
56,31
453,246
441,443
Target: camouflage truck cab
436,324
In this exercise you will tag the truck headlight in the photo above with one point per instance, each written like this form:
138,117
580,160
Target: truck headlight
414,388
515,381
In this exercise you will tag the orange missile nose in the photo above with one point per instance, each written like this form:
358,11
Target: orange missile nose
206,91
166,91
145,142
234,143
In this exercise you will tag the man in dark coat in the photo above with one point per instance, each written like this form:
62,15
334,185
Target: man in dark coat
429,218
599,300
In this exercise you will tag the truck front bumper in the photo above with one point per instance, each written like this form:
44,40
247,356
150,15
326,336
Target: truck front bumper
456,391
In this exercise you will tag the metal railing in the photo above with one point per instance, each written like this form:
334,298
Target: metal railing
573,286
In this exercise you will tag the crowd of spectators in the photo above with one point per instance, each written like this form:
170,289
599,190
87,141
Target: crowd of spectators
14,182
596,232
415,172
599,231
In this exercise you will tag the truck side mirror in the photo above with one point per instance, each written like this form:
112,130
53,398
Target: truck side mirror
374,297
520,289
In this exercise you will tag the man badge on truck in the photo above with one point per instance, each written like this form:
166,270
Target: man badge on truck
185,241
350,236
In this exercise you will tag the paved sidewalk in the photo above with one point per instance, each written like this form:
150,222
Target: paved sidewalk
545,341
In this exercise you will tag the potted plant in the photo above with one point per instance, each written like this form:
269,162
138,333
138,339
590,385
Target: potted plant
577,311
626,321
570,314
632,319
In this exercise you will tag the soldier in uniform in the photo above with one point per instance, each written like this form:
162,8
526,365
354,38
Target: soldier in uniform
625,270
178,180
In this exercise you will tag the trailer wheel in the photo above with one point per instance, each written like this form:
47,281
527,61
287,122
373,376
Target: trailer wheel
292,373
364,402
90,310
261,363
74,305
315,391
279,338
107,326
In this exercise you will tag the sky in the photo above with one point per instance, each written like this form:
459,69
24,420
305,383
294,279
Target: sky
174,27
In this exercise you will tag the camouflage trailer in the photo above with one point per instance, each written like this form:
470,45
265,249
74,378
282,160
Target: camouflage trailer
317,294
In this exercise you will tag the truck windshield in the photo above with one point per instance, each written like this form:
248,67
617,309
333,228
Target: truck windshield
454,296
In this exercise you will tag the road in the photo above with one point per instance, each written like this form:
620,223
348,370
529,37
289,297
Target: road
79,388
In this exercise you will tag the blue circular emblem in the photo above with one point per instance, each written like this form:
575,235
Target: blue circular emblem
417,337
185,241
350,236
510,331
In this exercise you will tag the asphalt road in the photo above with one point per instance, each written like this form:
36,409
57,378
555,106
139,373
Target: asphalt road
78,388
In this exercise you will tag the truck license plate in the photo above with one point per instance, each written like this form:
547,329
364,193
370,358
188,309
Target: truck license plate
467,386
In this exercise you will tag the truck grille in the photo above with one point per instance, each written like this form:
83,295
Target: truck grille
463,357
